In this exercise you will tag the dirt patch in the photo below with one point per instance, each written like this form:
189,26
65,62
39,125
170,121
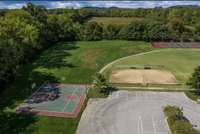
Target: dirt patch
142,76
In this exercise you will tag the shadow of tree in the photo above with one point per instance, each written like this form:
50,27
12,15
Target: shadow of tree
109,90
23,88
19,90
56,57
12,123
196,92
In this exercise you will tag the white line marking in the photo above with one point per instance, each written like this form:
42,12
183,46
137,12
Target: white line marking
141,125
138,126
136,96
154,126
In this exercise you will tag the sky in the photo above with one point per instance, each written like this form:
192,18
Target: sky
92,3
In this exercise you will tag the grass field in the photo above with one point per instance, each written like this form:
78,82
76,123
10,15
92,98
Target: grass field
114,20
181,62
74,62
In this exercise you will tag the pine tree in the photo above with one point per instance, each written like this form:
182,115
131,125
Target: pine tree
195,79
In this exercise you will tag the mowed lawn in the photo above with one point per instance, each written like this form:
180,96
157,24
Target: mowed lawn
78,62
181,62
66,62
114,20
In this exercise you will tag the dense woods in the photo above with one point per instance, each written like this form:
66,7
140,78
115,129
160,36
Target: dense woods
27,31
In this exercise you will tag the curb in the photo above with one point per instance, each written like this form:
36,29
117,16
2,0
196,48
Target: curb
117,60
155,89
133,55
166,122
192,101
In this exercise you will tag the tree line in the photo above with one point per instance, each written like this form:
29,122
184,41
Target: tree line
26,32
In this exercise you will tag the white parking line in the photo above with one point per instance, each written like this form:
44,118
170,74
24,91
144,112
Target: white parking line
141,125
154,126
138,126
136,96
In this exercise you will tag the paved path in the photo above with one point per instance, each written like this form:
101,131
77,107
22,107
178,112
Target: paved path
179,89
126,57
126,112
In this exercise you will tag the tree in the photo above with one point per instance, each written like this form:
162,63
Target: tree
18,39
111,32
194,81
156,31
197,29
19,28
91,31
11,54
60,27
133,31
176,28
100,82
39,12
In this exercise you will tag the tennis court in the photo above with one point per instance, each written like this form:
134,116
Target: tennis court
59,100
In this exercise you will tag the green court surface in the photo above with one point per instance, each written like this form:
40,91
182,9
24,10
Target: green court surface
60,100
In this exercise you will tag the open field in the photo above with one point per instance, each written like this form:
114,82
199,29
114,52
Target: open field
181,62
74,62
142,76
77,62
138,112
114,20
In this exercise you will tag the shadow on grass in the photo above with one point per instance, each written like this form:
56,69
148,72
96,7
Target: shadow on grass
19,90
56,57
196,92
12,123
22,87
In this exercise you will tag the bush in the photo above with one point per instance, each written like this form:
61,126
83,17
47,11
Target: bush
194,81
133,67
147,67
177,122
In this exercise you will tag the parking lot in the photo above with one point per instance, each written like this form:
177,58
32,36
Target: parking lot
126,112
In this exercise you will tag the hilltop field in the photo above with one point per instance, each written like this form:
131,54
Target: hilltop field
180,62
114,20
74,62
77,62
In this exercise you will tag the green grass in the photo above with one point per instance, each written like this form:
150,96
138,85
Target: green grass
114,20
193,95
74,62
178,124
181,62
93,93
80,63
